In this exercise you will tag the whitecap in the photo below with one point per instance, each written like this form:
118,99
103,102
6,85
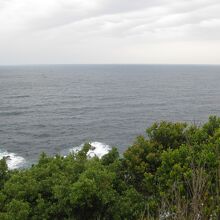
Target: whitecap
13,160
97,149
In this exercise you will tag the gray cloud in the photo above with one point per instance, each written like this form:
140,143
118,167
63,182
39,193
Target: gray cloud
71,31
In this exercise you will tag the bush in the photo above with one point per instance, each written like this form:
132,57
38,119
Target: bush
172,173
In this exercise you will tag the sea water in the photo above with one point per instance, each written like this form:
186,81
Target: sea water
56,108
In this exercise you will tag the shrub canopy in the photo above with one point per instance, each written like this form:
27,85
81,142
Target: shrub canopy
172,173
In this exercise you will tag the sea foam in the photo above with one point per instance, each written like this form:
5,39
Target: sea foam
13,160
97,149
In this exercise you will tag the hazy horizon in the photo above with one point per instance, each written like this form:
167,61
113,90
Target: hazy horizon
103,64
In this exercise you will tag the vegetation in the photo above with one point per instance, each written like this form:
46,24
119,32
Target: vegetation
173,173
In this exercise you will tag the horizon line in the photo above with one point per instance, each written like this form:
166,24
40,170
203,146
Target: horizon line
102,64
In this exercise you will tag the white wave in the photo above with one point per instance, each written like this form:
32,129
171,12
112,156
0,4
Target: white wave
13,160
97,149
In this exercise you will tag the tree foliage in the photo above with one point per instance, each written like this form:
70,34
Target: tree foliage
172,173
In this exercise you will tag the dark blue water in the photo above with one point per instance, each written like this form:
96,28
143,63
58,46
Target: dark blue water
53,108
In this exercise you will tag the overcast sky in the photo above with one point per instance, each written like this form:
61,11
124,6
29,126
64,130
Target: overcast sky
109,31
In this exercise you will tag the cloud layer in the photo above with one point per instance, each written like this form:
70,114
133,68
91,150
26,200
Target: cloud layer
109,31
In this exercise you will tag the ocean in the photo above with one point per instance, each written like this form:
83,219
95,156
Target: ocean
56,108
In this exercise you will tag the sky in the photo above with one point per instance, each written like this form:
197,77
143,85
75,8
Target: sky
109,31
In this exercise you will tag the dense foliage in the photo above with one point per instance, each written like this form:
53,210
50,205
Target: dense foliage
173,173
